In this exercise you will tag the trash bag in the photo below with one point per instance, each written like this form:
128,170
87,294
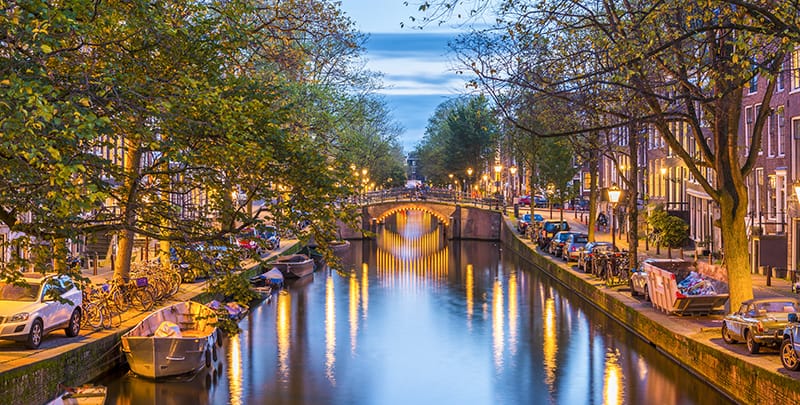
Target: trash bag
168,329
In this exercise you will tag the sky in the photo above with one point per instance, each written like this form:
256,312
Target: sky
418,73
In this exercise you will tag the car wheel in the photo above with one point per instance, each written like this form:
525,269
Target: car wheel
633,291
752,346
74,327
727,336
646,293
35,335
789,356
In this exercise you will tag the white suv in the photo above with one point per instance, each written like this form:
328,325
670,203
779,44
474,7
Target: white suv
38,304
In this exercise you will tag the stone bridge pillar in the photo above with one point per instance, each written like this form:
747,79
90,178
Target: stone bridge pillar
455,224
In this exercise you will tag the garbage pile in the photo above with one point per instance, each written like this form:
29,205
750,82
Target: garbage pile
696,284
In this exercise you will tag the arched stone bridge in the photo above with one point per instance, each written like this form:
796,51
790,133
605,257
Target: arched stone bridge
459,221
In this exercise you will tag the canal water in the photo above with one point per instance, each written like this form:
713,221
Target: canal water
413,318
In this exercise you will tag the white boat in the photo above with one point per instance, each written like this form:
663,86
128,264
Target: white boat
81,395
174,340
295,266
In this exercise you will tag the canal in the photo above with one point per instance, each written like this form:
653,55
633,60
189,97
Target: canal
415,319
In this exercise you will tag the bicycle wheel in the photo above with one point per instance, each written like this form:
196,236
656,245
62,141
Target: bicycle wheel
174,282
92,316
118,299
114,318
143,299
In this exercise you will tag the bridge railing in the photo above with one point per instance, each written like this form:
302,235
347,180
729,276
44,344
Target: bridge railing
435,195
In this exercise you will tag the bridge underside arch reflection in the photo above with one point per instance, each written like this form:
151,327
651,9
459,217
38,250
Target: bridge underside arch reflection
411,248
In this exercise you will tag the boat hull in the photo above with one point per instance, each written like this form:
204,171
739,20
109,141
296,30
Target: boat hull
296,266
153,356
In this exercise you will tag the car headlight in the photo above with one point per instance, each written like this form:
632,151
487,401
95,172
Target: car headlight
20,317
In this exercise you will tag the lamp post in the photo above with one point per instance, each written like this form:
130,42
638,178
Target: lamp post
796,187
497,169
469,180
613,196
513,171
485,184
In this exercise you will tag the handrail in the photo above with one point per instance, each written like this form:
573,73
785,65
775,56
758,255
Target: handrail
442,196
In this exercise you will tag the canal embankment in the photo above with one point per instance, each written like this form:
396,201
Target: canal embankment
694,342
34,376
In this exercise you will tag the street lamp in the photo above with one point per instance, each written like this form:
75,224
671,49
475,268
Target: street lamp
613,196
796,186
469,180
497,169
513,171
485,183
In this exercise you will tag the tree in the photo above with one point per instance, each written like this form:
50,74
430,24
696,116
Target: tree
462,133
114,111
687,63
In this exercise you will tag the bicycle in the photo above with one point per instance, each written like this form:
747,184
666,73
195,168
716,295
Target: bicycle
123,293
617,269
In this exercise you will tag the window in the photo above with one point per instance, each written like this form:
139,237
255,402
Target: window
753,85
770,134
748,125
779,133
761,145
779,79
795,72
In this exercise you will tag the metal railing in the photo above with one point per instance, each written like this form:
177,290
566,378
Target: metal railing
432,195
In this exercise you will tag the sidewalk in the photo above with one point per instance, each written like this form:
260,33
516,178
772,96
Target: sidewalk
778,287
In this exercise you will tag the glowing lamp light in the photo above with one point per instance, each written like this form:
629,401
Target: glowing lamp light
796,186
614,193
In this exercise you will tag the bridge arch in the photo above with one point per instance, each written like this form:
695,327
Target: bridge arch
460,221
381,213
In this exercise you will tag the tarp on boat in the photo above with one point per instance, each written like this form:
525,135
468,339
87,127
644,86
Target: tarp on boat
168,329
274,275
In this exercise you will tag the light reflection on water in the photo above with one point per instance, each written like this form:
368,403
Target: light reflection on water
427,321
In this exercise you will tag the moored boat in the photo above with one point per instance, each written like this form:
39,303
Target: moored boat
295,266
81,395
272,278
339,245
175,340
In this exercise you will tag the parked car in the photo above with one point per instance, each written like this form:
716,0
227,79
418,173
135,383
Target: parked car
547,230
539,201
588,253
523,222
272,237
573,246
557,243
37,305
258,240
790,346
525,200
759,322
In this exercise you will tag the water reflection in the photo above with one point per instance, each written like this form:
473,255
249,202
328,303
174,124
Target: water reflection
330,331
424,320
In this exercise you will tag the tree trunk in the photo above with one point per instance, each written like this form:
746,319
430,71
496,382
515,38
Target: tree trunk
593,170
163,254
736,256
60,255
633,196
133,157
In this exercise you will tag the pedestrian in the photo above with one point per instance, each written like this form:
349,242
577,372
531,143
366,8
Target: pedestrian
602,221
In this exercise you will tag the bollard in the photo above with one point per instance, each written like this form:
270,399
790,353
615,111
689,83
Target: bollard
769,276
95,264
